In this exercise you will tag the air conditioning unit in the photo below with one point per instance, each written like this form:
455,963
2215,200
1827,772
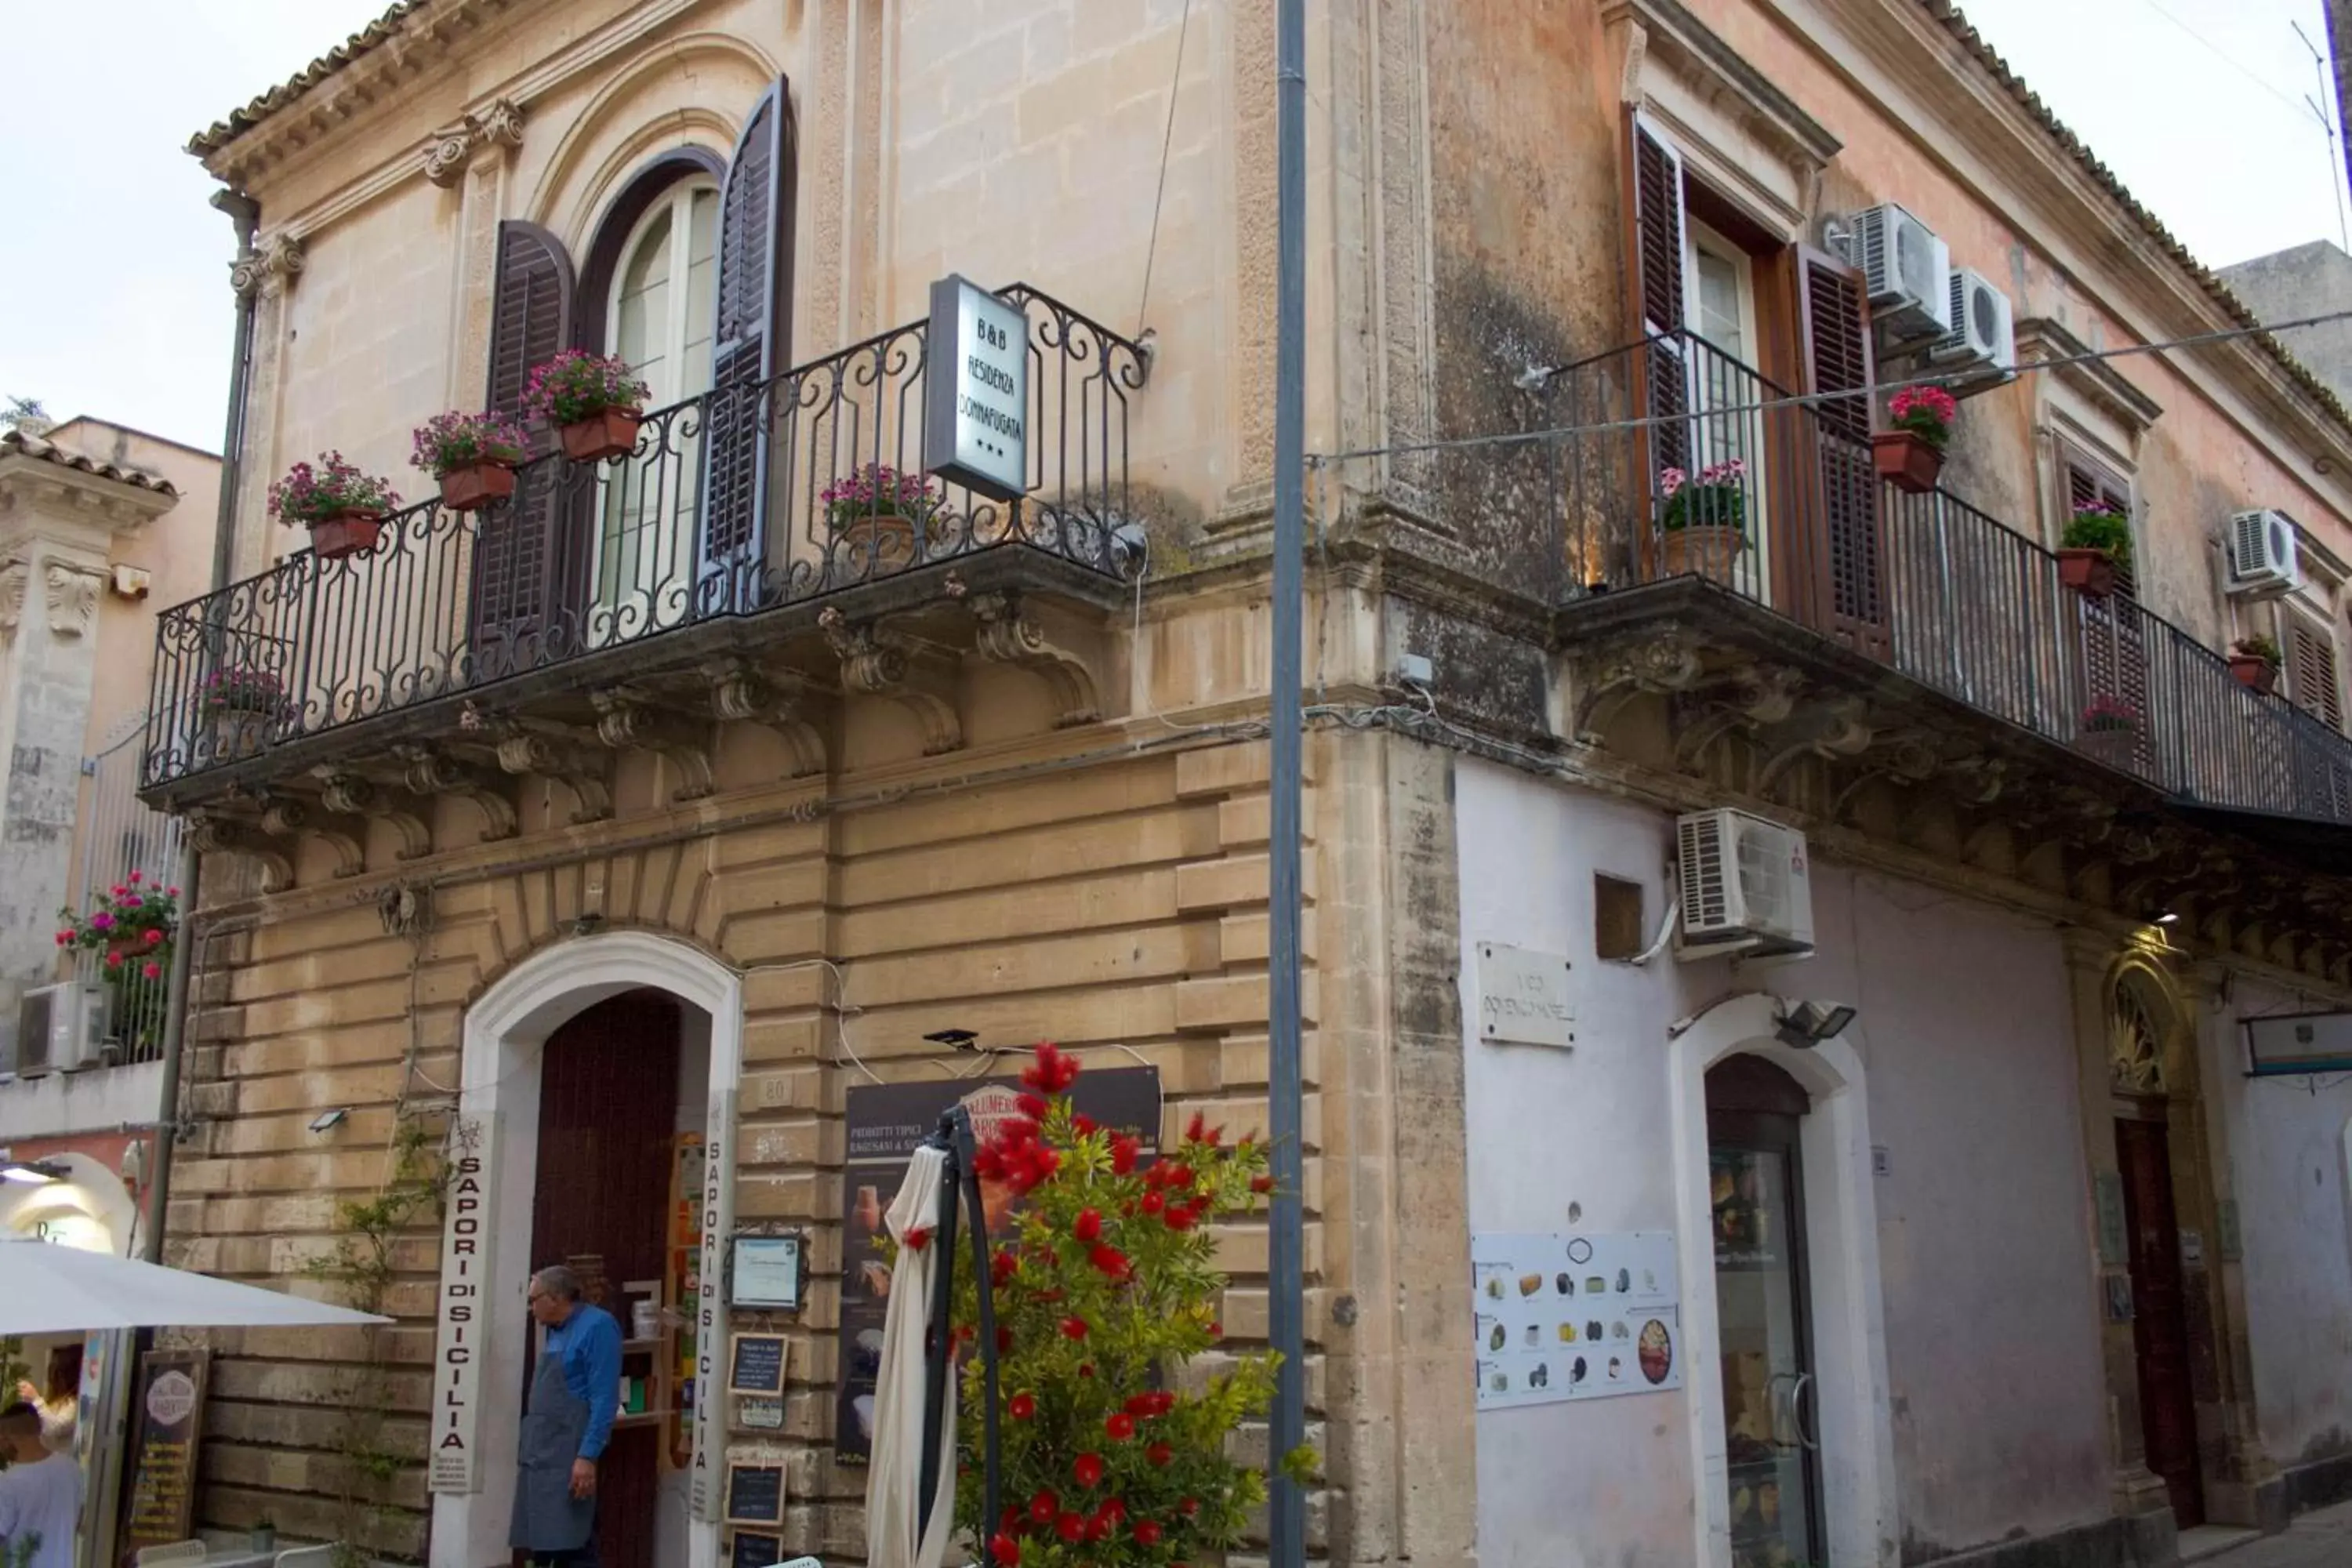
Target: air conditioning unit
1745,887
1984,332
2264,563
59,1028
1908,271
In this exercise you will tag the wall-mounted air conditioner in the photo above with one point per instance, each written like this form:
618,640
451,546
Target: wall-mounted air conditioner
2262,559
59,1028
1744,886
1984,330
1908,271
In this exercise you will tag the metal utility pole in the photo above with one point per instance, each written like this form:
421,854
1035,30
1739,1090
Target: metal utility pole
2329,124
1286,1248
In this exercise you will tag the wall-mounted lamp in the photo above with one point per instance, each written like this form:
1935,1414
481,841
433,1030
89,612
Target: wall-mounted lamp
954,1039
1807,1023
328,1120
33,1172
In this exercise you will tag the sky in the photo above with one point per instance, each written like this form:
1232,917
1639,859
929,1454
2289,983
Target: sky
114,298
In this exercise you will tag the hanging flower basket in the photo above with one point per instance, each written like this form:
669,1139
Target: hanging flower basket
473,456
1905,460
2091,572
346,533
343,506
594,401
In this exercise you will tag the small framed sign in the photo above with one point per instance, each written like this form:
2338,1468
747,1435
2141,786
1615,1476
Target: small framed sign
755,1549
976,391
755,1363
764,1272
755,1493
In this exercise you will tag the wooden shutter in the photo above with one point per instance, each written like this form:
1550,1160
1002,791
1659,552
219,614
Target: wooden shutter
1848,598
1654,271
2115,636
2312,679
755,247
515,585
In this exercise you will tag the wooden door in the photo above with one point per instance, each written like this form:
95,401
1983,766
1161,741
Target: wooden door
2167,1404
607,1106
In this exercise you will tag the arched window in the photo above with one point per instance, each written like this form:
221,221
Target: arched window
659,317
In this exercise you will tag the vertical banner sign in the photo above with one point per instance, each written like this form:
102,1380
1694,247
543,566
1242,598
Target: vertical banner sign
171,1411
886,1122
463,1309
710,1309
976,391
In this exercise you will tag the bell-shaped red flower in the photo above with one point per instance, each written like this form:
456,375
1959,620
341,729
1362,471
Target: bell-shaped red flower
1088,1225
1124,1152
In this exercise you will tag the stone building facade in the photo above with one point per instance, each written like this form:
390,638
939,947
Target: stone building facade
661,766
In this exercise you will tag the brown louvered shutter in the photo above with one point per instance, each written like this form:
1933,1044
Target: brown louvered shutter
2312,682
755,247
1833,315
515,587
1654,271
2115,634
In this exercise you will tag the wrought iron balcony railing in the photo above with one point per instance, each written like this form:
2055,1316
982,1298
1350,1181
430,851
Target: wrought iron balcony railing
720,513
1680,460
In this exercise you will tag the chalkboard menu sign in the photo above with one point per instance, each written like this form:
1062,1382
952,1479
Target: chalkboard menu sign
755,1494
171,1420
755,1364
754,1549
886,1122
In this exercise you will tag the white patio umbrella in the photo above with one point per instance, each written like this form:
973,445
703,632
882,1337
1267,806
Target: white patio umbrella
894,1483
48,1290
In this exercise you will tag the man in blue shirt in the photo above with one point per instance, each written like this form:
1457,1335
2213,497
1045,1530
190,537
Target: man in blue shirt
574,1395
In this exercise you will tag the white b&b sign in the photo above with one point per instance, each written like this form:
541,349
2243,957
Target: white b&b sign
976,393
459,1339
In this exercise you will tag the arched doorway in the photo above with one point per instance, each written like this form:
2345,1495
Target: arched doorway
592,1070
2141,1023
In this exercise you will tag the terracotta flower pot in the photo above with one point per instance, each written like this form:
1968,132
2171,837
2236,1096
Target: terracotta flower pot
345,533
238,733
608,433
475,485
1711,551
2088,572
1905,460
2254,671
884,543
2117,749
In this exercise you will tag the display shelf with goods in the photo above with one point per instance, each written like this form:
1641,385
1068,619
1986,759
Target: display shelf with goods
684,1282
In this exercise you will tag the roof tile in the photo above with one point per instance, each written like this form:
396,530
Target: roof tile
16,443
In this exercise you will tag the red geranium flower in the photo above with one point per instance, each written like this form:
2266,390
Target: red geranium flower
1119,1425
1088,1469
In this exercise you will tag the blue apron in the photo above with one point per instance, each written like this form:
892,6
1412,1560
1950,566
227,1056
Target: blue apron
547,1517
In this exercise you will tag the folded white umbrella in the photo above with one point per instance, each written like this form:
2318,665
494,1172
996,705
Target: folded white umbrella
47,1290
894,1477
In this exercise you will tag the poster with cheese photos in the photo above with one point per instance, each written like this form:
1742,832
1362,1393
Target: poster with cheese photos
1574,1315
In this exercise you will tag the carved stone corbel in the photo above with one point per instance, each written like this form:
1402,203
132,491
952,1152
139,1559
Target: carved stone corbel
72,598
1755,697
874,663
451,148
15,575
528,751
213,833
1606,678
270,268
429,772
1007,636
629,720
1839,728
741,692
288,816
355,794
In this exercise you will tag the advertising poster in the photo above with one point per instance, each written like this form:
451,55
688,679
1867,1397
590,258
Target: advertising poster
886,1123
1567,1316
171,1417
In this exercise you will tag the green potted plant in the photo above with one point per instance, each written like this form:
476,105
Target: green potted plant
473,456
1704,520
2109,732
343,506
2096,542
2255,660
1106,1287
262,1540
880,512
133,925
1910,455
594,401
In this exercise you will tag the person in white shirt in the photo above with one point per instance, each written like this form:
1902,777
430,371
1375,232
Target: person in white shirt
40,1491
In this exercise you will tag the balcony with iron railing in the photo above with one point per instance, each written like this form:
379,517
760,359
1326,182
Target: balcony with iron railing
1674,461
713,539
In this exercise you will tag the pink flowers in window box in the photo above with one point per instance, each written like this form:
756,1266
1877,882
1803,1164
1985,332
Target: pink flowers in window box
341,506
1910,456
473,456
594,401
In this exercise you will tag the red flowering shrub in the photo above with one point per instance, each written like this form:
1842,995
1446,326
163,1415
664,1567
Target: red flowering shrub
1109,1288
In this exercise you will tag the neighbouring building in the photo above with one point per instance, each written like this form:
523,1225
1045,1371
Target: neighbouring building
100,528
2296,285
629,830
